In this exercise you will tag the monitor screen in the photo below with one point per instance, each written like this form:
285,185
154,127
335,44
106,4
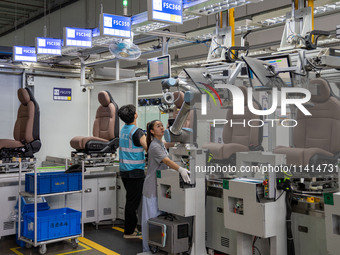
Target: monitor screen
277,62
159,68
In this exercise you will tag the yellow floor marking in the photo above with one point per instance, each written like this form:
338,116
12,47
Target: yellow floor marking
122,230
97,246
71,252
119,229
15,250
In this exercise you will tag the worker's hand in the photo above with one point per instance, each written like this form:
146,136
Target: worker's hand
185,174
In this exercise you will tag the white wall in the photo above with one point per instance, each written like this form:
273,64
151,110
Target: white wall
60,121
9,103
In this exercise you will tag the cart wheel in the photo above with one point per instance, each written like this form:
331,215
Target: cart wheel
75,243
153,249
43,249
28,245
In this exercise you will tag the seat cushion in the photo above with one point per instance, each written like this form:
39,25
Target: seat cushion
224,151
215,149
300,156
231,148
7,143
79,142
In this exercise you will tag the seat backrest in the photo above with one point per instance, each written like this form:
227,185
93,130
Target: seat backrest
319,130
106,124
27,127
239,133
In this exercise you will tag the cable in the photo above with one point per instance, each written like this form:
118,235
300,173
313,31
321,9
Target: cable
216,42
315,67
253,247
279,196
290,239
257,250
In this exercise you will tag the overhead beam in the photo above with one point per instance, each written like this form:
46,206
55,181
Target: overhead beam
23,4
6,8
41,15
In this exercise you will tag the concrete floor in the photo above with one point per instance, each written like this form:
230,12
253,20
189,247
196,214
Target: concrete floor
104,240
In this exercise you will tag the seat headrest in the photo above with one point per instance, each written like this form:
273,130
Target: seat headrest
104,98
320,90
179,98
23,96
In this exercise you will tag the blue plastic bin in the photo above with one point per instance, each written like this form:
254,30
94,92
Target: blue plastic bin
52,224
27,206
53,182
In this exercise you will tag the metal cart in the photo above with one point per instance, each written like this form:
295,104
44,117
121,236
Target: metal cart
42,244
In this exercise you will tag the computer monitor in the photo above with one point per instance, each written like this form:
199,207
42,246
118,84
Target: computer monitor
282,61
159,68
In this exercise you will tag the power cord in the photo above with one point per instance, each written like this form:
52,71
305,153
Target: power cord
254,247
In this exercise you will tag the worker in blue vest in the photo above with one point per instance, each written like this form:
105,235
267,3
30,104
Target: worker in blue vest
132,143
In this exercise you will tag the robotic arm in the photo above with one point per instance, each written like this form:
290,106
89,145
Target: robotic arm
177,133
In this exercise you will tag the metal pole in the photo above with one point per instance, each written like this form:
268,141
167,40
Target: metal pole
65,196
137,86
82,71
117,69
231,22
19,203
82,197
89,112
35,206
311,4
295,6
164,45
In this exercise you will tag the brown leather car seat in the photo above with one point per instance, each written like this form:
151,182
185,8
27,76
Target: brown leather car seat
26,129
316,138
105,129
237,138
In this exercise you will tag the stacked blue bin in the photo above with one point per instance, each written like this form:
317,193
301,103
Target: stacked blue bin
27,206
56,223
53,182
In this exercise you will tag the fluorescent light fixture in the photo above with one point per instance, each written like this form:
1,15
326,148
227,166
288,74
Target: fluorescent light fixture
274,21
216,6
327,8
317,10
189,3
140,23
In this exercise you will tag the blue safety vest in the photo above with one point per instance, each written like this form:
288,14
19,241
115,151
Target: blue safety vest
130,156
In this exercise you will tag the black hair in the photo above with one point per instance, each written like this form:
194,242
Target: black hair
127,113
149,135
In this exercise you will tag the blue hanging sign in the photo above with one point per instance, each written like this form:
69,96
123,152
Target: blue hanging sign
25,54
95,32
78,37
169,11
118,26
48,46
